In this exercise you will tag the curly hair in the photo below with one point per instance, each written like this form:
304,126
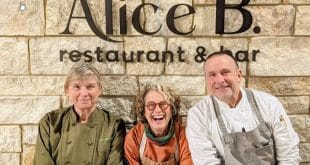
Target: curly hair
168,95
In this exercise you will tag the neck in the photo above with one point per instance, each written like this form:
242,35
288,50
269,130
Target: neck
84,114
159,133
236,99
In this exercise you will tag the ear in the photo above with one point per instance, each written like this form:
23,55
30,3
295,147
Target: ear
239,72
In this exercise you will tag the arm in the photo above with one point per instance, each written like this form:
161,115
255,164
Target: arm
202,148
42,150
117,152
286,139
131,148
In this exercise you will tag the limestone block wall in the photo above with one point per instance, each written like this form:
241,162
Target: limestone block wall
34,58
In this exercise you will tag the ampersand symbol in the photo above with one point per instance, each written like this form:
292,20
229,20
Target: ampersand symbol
200,57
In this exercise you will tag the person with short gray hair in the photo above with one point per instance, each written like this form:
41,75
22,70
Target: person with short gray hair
81,133
234,125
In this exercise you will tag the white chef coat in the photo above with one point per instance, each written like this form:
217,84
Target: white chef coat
205,137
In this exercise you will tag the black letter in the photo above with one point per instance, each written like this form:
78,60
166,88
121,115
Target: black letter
239,56
128,60
109,16
165,53
136,19
180,52
61,54
123,20
98,52
75,56
156,53
88,58
254,52
220,14
171,17
115,56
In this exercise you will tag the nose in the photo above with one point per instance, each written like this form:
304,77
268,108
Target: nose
157,108
219,78
84,91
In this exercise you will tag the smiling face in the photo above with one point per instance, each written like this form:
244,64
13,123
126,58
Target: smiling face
223,79
158,118
83,93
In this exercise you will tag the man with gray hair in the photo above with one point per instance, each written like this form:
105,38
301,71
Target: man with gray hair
236,126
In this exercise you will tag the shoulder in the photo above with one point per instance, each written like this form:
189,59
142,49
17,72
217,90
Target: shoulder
201,110
135,133
201,106
179,129
137,130
111,123
55,116
110,118
265,100
263,95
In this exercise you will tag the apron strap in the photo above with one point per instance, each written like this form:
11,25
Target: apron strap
254,105
142,145
226,136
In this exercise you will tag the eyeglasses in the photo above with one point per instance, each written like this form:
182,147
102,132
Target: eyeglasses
151,106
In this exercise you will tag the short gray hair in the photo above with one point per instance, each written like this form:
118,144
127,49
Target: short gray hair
80,71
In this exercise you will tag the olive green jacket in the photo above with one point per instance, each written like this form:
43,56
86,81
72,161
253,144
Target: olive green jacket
63,140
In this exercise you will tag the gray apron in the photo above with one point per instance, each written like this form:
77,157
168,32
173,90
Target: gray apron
146,161
255,147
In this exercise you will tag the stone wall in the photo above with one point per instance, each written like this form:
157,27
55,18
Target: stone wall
32,72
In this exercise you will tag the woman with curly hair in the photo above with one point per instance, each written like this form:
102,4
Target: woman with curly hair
157,138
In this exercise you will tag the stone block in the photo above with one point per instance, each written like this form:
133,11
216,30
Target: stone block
28,154
301,124
271,20
30,133
181,85
197,46
187,102
304,149
16,21
10,158
298,1
302,20
10,139
57,55
238,2
204,21
13,55
123,107
281,85
24,109
120,85
58,15
282,56
31,85
295,104
150,62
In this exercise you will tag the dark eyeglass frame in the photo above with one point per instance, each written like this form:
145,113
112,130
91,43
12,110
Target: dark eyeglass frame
151,106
